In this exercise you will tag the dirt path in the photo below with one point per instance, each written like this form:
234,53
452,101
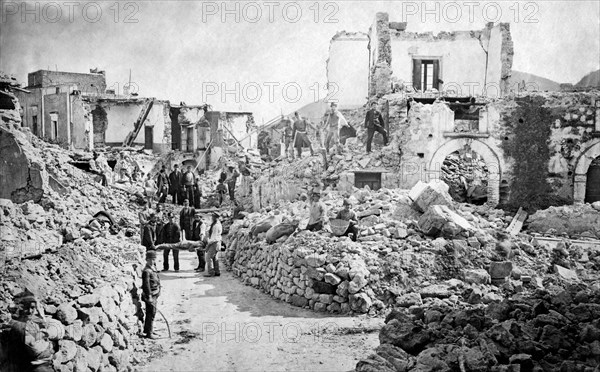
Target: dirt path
219,324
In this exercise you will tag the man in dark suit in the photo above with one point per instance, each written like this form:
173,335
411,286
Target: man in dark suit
175,184
374,123
171,233
149,233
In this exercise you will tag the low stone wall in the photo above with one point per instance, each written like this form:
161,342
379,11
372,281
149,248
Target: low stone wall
307,270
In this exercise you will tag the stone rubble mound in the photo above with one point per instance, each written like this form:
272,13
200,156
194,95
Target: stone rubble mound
453,252
86,279
547,330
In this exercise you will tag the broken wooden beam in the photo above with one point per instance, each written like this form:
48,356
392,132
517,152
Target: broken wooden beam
517,222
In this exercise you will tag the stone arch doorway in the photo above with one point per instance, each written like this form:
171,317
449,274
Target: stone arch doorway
582,167
491,158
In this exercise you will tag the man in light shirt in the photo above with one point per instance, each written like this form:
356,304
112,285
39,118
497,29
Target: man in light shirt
334,121
316,213
213,246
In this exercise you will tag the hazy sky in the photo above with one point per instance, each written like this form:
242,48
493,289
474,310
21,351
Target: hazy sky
179,49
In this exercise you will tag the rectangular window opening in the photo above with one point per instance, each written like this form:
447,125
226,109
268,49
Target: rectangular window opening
371,179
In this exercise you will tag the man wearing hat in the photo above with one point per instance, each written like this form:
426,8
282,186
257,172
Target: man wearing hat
213,246
170,234
175,184
28,347
334,120
149,232
374,123
316,213
186,216
347,214
150,291
198,234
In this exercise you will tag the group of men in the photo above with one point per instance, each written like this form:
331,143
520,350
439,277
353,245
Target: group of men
190,227
296,137
180,185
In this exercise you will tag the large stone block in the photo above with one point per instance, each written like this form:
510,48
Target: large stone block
441,220
500,270
23,174
432,193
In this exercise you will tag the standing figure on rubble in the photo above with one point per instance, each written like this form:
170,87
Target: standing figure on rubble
144,217
288,137
170,234
149,233
175,184
150,189
28,347
186,216
334,120
232,176
160,223
374,123
150,292
347,214
213,246
197,193
188,183
162,182
316,213
198,235
299,132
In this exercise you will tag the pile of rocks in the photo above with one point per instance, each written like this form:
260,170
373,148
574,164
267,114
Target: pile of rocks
412,245
549,330
87,279
307,271
459,172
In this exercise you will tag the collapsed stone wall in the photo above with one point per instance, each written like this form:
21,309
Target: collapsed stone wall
321,277
86,279
24,176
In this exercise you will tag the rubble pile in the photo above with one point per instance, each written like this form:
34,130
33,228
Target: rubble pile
547,330
85,274
412,247
467,177
572,221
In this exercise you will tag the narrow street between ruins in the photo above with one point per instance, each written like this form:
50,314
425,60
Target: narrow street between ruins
220,324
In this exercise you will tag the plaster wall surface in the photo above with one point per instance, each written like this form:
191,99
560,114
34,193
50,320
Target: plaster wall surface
348,70
121,117
462,62
82,131
86,82
58,104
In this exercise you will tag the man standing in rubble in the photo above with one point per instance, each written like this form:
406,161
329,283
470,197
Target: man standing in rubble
199,235
150,291
299,133
175,184
186,216
170,233
188,183
334,120
149,233
232,176
213,246
288,137
316,213
374,123
347,214
163,185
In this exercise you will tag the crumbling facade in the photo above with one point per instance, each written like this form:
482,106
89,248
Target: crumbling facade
460,63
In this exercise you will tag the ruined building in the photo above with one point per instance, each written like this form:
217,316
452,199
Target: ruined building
76,110
445,97
390,58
